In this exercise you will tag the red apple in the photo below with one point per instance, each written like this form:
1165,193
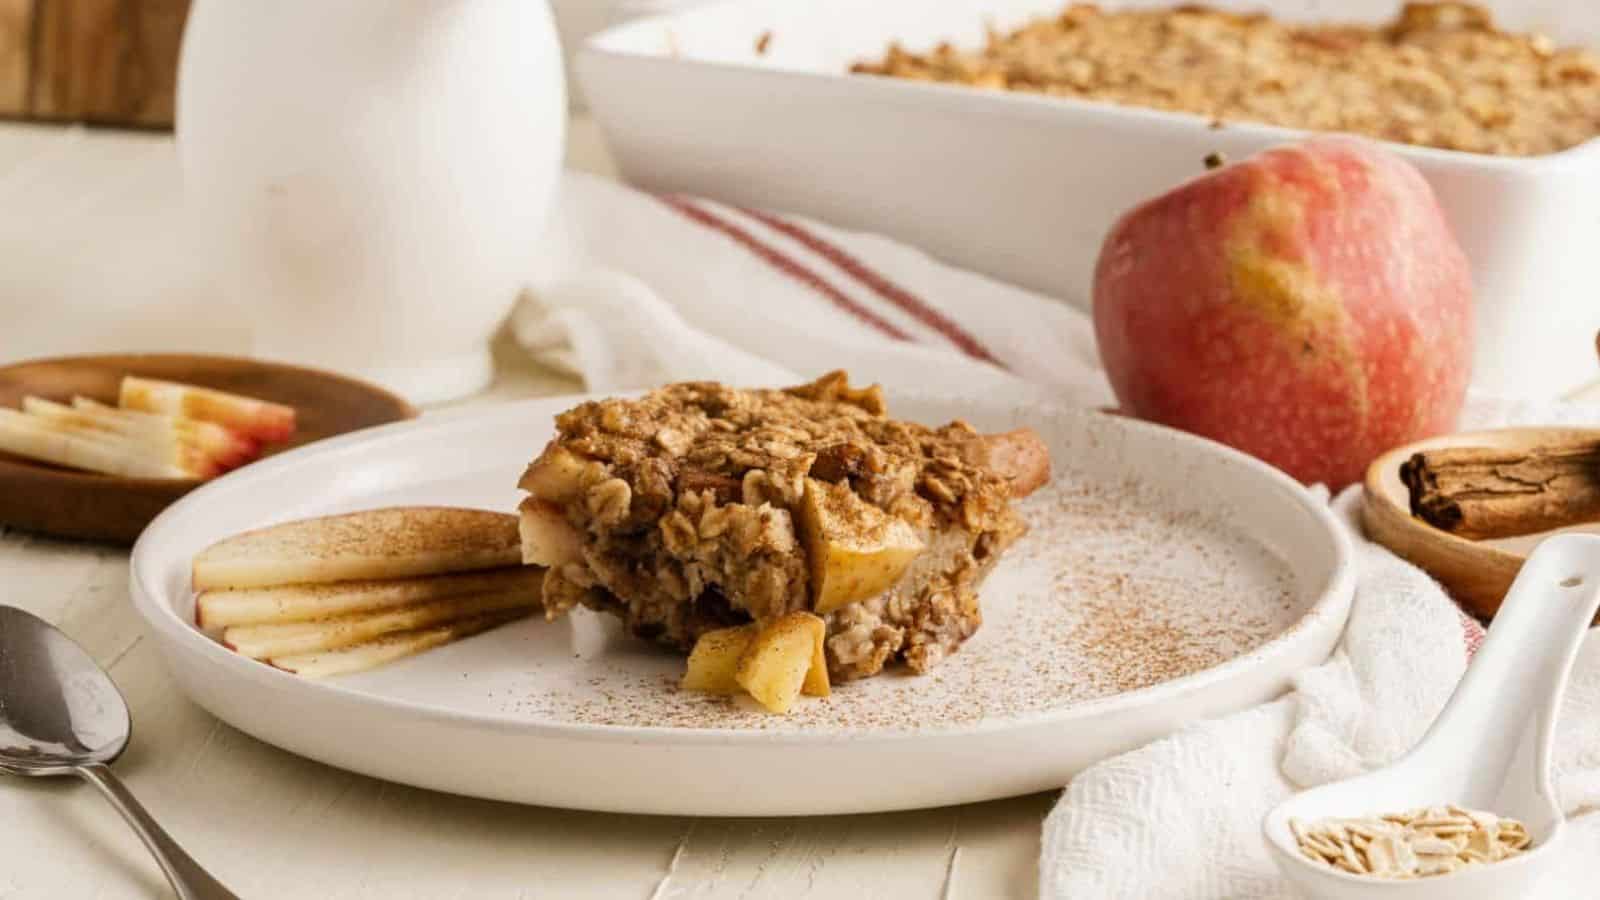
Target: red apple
1307,305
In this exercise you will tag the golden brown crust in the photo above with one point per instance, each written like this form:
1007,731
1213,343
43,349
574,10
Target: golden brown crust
1019,456
1440,75
684,501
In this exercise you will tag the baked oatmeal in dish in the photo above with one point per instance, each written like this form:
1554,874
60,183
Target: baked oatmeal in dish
698,506
1439,75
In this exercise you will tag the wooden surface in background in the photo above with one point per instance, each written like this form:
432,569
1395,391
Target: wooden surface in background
108,62
14,38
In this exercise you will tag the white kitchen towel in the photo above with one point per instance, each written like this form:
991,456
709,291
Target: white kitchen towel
1181,818
641,290
644,289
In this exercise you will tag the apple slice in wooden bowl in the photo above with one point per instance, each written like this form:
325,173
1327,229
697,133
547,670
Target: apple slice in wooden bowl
125,414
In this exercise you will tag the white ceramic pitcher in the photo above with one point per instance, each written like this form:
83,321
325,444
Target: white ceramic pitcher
370,177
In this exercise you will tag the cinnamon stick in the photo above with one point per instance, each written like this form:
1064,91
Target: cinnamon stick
1483,492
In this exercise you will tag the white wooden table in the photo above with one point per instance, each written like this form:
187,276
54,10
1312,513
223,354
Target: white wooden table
93,260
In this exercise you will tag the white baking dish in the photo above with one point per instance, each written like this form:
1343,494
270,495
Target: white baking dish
1023,188
578,20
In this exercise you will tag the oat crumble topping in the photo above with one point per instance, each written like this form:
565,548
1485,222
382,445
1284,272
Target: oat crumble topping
1440,75
685,500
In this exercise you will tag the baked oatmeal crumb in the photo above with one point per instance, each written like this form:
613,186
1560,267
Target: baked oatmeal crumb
684,501
1440,75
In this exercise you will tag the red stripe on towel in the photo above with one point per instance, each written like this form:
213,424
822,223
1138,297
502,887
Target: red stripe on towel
918,308
788,266
1472,633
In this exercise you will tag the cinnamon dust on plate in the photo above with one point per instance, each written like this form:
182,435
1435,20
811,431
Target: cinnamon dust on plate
1114,588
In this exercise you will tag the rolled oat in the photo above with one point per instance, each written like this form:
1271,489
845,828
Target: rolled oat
1419,843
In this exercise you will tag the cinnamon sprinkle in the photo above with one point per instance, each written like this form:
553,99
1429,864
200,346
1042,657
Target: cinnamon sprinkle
1112,590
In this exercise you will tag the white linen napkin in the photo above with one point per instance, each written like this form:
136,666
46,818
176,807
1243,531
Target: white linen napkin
646,290
1181,817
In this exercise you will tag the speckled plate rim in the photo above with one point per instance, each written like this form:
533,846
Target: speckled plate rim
1326,614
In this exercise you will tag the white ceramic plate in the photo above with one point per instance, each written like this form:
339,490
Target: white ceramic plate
1166,579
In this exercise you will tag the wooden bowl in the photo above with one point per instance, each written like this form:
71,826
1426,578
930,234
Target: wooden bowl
1476,573
66,503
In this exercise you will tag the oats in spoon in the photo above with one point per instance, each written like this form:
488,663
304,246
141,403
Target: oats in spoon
1433,841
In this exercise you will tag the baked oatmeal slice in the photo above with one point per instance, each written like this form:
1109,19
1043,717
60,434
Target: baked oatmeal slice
699,506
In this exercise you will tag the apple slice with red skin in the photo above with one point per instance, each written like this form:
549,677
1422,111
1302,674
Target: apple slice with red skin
106,454
157,432
229,448
249,416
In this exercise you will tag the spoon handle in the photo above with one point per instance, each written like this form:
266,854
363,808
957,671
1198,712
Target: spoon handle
1519,674
189,880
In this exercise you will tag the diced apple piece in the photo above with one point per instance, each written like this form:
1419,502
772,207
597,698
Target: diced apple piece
306,602
548,539
816,683
762,660
714,661
389,648
26,436
395,542
300,638
557,476
247,415
773,668
1021,457
854,550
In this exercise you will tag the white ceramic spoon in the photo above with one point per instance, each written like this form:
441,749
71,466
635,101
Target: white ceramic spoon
1489,749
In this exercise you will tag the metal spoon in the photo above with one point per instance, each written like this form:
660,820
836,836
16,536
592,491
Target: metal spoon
1489,748
60,714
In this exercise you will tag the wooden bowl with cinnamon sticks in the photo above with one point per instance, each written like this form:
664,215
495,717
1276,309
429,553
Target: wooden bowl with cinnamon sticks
1468,508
